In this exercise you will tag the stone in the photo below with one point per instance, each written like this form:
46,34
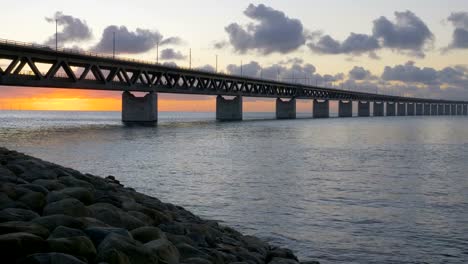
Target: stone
55,196
69,206
66,232
85,195
310,262
15,245
282,261
186,251
6,201
51,258
179,239
255,244
51,185
142,217
98,234
92,222
79,246
115,244
34,200
147,233
32,174
167,253
70,181
35,188
196,261
114,216
23,227
5,172
53,221
17,214
281,253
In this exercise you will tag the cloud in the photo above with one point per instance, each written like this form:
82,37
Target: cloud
408,33
206,68
355,44
410,73
460,34
131,42
73,29
359,73
273,32
170,54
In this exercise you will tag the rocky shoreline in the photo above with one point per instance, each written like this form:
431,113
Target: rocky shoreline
53,214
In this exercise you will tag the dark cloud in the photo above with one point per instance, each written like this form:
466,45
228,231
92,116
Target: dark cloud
359,73
220,44
460,34
206,68
355,44
131,42
273,32
407,33
410,73
72,29
170,64
251,69
171,54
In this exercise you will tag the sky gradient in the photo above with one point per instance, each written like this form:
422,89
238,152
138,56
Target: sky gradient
412,47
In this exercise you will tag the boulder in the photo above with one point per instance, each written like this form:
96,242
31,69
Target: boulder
23,227
85,195
69,206
92,222
32,174
98,234
34,200
5,172
35,188
17,214
167,253
196,261
15,245
256,245
117,245
114,216
281,253
6,201
186,251
53,221
282,261
147,233
65,232
79,246
180,239
51,258
51,185
142,217
71,181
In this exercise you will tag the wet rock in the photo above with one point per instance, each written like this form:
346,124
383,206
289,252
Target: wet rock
33,174
51,258
164,250
282,261
92,222
196,261
69,206
186,251
70,181
66,232
51,185
34,200
23,227
6,201
85,195
15,245
35,188
5,172
310,262
281,253
142,217
79,246
256,245
98,234
119,247
53,221
17,214
179,239
147,234
114,216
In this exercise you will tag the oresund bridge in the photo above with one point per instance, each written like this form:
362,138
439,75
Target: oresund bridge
80,70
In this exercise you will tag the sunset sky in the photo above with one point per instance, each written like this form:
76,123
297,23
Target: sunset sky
412,47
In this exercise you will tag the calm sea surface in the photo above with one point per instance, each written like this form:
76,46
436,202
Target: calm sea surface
357,190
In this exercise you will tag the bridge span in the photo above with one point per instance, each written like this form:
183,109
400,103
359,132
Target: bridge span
80,70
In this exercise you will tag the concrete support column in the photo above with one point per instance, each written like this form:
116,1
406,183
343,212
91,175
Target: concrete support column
139,110
378,109
285,109
440,109
410,109
434,109
228,109
427,109
321,109
363,109
446,109
345,109
453,109
391,109
401,108
459,109
465,109
419,109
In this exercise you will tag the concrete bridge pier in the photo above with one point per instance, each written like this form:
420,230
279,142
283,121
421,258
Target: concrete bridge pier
391,111
228,109
140,110
440,109
446,109
419,109
378,109
285,109
401,108
453,109
434,109
410,109
427,109
459,109
465,109
363,109
345,109
321,109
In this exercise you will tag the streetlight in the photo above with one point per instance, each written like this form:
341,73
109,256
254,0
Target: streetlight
190,58
241,68
157,52
216,63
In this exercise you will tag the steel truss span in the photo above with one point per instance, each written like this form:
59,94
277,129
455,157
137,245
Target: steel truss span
75,70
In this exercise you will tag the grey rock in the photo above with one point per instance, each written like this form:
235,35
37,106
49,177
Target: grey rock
69,206
179,239
66,232
114,216
116,245
35,188
85,195
25,227
17,214
79,246
51,258
186,251
92,222
281,253
70,181
310,262
98,234
53,221
282,261
34,200
15,245
51,185
165,250
196,261
147,234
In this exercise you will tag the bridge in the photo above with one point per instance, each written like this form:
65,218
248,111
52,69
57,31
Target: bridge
72,69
